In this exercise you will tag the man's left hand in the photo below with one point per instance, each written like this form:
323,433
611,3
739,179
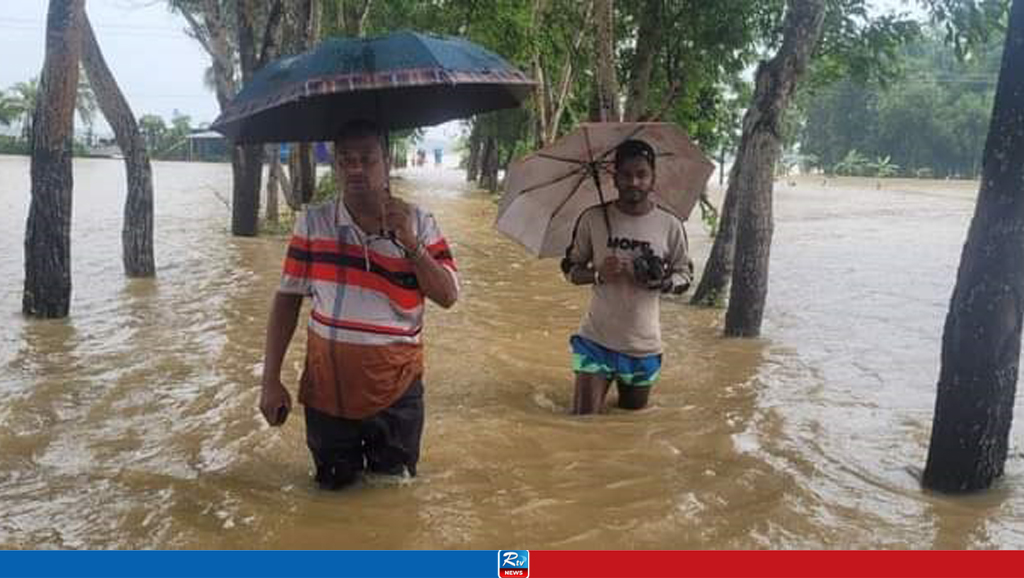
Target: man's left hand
398,217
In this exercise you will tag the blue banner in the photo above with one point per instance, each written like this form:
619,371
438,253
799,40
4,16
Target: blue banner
249,564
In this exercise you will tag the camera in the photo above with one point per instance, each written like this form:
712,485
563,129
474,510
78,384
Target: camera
649,269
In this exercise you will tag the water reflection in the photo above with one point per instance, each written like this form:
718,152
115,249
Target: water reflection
963,522
134,423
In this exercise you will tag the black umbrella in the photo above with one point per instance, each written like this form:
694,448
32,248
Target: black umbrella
400,80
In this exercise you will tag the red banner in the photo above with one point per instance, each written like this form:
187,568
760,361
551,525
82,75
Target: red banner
774,564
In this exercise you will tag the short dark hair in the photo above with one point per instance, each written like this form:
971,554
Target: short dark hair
634,148
359,128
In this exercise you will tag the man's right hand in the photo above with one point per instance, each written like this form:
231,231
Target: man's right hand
275,402
613,270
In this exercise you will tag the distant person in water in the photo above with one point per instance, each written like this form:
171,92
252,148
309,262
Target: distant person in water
368,261
642,255
438,156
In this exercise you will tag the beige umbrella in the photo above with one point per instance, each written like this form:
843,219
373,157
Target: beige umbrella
546,191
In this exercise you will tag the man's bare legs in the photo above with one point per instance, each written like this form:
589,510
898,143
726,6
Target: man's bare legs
633,397
591,390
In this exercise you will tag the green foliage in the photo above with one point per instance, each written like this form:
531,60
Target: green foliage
854,164
858,46
969,25
153,131
9,108
709,216
326,188
935,117
10,145
18,103
883,167
22,103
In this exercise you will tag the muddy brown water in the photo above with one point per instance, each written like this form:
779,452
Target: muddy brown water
133,423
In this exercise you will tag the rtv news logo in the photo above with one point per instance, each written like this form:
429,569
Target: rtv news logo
513,563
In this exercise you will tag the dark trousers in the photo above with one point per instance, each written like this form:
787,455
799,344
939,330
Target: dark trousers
385,443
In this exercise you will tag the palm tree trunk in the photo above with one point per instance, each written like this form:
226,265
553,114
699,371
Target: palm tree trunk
137,229
47,291
982,338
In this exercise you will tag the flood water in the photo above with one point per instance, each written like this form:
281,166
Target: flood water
133,423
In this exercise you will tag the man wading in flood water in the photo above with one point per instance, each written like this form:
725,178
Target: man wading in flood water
629,250
367,260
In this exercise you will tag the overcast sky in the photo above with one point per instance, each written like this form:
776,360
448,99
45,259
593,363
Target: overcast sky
159,68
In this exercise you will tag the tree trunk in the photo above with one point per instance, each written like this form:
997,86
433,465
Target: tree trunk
776,81
542,94
982,337
721,166
353,15
277,169
247,161
219,48
301,36
489,165
718,270
47,292
137,229
302,168
607,86
315,16
273,184
648,40
560,101
473,160
247,178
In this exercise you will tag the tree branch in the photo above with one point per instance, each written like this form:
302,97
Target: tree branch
197,31
565,86
670,98
268,51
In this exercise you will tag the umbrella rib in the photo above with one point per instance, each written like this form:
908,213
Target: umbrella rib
597,181
553,181
558,158
558,209
572,192
635,131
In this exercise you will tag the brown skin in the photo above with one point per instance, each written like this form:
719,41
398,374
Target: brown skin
362,167
634,180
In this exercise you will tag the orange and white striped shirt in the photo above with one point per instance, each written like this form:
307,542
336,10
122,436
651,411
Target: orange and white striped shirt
364,347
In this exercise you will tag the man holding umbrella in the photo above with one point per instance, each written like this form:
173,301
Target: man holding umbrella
367,260
630,250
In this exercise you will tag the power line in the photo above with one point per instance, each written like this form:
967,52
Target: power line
41,24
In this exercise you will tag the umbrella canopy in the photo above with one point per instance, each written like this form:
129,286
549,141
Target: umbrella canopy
400,80
546,191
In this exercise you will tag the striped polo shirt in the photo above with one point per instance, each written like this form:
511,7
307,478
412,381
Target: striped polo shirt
364,347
